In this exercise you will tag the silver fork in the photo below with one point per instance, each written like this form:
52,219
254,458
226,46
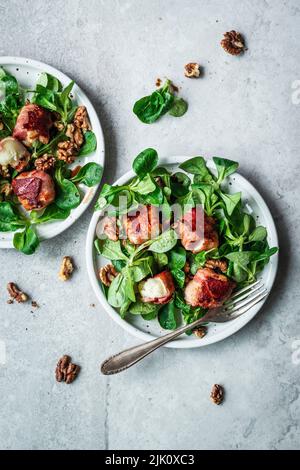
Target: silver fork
238,304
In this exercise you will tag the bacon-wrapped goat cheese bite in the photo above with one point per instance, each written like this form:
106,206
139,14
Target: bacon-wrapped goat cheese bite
197,231
158,289
34,189
33,124
208,289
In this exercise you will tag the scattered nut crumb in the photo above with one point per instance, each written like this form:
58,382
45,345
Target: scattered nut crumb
66,269
158,82
107,274
217,264
217,394
10,301
233,43
200,332
174,88
92,305
65,370
192,70
15,293
34,304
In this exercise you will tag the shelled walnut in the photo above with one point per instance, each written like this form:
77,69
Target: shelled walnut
45,163
66,269
217,394
6,188
75,135
192,70
200,332
233,43
107,274
15,293
66,151
81,119
65,370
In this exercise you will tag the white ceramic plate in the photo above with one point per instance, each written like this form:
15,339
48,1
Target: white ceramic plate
27,72
146,330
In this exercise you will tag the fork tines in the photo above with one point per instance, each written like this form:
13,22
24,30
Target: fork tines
246,298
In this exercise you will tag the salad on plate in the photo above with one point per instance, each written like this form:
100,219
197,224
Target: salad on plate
42,133
178,243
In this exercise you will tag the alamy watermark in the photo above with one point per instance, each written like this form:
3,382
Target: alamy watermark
296,92
141,222
2,353
296,352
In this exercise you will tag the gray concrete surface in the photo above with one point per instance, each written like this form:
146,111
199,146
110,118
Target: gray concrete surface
242,108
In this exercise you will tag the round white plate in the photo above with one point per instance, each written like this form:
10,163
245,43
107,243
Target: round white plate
147,330
27,72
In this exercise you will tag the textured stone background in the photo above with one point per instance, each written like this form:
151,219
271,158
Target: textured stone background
242,108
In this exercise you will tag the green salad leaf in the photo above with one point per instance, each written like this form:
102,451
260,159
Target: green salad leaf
50,94
68,196
165,242
11,101
145,162
26,241
150,108
179,107
10,219
52,212
89,145
89,175
167,316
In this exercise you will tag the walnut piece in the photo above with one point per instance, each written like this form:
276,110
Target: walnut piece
233,43
45,163
66,269
59,125
6,189
200,332
217,394
81,119
4,171
66,151
107,274
65,370
192,70
15,293
217,264
75,135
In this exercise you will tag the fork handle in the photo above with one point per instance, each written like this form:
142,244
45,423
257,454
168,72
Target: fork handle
129,357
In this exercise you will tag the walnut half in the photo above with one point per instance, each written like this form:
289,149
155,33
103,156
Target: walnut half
192,70
200,332
217,394
15,293
81,119
45,163
107,274
65,370
233,43
66,269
